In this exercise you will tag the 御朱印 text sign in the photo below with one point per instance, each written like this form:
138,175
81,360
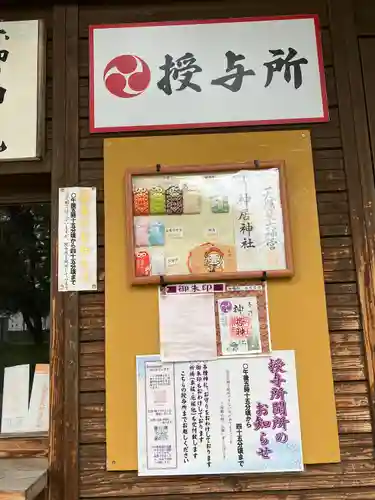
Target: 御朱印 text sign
225,72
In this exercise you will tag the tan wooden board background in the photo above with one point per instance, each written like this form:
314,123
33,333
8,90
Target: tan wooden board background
297,306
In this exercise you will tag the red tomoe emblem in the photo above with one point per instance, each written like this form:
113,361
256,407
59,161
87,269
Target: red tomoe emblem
127,76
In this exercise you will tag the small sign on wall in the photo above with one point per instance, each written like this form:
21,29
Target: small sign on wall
77,266
22,89
223,72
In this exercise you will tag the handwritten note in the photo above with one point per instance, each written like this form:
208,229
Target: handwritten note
187,327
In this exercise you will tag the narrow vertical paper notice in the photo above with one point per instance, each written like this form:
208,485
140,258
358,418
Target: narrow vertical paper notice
187,327
77,262
15,398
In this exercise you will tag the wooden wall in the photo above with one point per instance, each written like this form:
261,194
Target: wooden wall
340,169
365,24
356,472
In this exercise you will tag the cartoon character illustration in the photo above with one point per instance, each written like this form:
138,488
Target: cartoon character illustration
214,260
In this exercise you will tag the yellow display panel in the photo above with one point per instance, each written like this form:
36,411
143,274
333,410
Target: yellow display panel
297,306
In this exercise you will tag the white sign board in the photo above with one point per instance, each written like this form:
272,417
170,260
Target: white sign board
225,72
22,89
230,415
77,266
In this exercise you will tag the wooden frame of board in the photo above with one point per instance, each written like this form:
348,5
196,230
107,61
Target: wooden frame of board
159,170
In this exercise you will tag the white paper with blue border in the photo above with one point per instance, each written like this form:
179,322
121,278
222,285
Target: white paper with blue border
230,415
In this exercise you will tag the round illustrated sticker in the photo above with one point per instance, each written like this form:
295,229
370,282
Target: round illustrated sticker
226,306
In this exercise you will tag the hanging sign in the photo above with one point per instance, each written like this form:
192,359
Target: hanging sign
168,216
22,89
223,416
166,75
77,266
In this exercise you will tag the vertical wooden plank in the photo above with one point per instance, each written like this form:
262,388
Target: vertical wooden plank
71,330
367,51
56,441
358,166
64,472
365,17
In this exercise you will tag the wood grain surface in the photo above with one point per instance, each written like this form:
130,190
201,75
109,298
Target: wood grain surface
353,477
345,217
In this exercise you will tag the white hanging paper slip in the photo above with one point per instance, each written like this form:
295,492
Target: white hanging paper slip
38,415
15,398
77,266
258,225
187,327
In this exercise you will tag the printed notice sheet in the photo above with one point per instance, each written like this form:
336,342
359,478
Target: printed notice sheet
229,415
77,262
187,327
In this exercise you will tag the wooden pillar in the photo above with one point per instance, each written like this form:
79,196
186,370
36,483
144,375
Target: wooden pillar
358,166
63,453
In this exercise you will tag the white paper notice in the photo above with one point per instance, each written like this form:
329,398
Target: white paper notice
38,416
187,327
15,398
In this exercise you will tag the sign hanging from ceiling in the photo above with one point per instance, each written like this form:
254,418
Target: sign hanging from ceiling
212,73
22,89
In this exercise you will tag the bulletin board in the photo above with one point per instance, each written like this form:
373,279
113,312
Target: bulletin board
297,308
190,223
